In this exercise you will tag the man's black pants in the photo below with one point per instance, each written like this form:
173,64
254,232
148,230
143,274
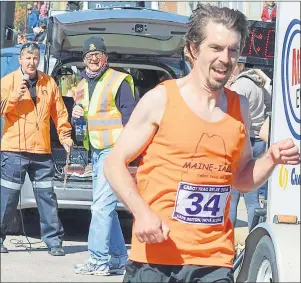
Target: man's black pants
40,169
144,272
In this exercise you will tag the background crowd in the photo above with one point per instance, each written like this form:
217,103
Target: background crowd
36,24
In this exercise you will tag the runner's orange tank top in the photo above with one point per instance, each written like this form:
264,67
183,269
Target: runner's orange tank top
186,175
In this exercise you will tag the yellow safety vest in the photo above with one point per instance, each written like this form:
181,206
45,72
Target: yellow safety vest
104,121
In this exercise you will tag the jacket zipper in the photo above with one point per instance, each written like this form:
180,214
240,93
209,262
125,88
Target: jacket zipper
37,116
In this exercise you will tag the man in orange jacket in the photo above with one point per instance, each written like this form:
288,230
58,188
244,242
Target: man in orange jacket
28,99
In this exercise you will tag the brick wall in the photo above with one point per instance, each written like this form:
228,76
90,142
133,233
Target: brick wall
168,6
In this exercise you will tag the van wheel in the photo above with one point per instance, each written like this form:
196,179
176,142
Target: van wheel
263,266
15,227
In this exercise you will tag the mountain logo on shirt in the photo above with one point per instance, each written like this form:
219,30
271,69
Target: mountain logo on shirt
205,153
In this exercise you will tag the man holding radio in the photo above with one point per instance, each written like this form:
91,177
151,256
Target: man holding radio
28,99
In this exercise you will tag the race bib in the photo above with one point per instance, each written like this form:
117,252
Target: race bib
201,204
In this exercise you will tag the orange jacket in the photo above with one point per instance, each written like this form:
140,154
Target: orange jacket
27,127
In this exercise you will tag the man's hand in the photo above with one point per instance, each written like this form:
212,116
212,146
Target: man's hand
68,146
21,91
149,228
77,111
285,152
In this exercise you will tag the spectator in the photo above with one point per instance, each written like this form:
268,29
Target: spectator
23,127
269,12
106,246
21,39
251,84
238,69
43,12
32,20
36,8
264,133
40,34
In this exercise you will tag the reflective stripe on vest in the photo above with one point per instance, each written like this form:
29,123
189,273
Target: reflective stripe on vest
104,118
104,124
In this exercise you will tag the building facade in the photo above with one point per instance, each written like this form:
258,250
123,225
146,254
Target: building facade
251,9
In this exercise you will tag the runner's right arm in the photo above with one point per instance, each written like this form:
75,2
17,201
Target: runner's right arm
135,137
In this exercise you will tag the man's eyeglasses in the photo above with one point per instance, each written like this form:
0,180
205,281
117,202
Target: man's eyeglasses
30,45
96,55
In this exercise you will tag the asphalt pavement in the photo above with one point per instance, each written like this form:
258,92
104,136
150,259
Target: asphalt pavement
21,265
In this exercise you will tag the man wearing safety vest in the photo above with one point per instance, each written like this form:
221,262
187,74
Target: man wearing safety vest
28,99
105,98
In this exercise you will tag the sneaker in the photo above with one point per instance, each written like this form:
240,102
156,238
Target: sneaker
116,267
89,268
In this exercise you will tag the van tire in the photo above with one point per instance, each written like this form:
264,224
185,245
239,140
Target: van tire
263,256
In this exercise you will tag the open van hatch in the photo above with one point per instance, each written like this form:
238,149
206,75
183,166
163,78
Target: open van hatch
138,32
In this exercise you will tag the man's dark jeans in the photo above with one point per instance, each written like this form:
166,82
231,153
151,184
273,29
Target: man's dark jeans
40,169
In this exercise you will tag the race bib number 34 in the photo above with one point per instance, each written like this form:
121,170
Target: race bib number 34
204,205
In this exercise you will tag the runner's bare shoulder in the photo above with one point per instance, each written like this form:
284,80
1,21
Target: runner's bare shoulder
154,102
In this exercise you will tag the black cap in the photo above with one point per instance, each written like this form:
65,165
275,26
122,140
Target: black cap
94,44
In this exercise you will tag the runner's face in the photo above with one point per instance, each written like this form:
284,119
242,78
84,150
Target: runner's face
217,56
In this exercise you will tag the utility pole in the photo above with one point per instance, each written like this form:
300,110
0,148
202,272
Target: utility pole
7,23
